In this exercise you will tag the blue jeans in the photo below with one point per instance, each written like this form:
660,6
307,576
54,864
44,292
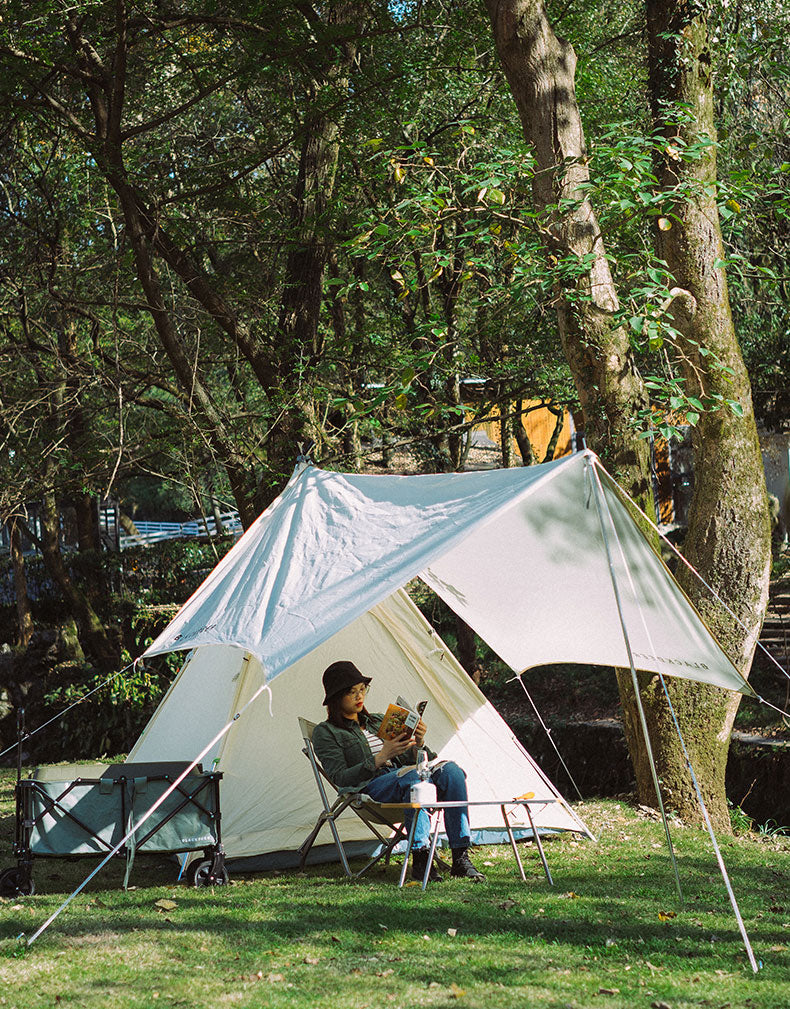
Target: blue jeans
450,781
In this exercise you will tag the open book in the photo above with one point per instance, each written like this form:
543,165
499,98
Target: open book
399,718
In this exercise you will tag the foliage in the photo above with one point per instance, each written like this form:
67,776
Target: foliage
144,588
741,822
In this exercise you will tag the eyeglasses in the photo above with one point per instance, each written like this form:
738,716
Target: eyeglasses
357,692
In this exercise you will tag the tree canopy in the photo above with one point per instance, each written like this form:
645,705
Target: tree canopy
228,231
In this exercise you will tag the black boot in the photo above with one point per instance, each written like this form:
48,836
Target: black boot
462,866
419,859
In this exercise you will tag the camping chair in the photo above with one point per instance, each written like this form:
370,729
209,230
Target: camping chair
370,812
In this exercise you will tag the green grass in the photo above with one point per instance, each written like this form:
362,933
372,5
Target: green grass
601,937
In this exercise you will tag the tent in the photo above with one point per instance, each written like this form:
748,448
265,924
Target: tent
520,554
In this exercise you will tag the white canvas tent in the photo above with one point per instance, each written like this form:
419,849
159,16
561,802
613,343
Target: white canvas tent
269,797
518,553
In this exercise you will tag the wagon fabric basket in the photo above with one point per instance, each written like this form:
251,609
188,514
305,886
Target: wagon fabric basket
75,810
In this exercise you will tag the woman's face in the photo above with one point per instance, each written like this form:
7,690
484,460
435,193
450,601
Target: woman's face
353,701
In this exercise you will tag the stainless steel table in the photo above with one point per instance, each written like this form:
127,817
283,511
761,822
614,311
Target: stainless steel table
507,807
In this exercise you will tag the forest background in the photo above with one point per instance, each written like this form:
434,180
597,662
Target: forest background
228,231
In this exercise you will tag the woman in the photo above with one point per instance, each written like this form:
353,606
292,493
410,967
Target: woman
356,759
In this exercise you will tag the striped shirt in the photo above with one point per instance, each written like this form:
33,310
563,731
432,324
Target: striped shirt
374,742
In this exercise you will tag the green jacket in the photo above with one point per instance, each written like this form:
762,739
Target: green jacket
345,755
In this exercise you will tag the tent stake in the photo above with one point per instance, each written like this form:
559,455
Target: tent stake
599,498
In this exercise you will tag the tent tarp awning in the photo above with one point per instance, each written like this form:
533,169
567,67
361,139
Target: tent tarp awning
517,553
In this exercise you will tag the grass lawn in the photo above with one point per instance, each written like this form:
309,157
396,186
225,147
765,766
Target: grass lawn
609,934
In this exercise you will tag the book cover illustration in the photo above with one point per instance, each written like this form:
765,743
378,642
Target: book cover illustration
400,718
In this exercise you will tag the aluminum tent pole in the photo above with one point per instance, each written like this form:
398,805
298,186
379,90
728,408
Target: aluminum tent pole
687,756
599,501
717,851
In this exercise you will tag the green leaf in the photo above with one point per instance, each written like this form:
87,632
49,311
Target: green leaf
692,417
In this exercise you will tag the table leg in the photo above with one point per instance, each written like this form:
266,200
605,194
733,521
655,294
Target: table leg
432,849
513,844
536,836
409,843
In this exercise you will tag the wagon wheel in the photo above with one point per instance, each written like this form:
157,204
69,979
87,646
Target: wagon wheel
16,882
202,875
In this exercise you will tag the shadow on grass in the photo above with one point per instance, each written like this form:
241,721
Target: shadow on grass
336,916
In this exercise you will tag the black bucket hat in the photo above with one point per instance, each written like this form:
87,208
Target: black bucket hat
339,677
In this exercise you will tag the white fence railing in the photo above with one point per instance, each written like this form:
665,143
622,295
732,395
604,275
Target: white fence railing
155,532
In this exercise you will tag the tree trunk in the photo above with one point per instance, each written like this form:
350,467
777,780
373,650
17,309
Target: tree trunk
24,613
467,648
520,434
298,337
99,644
728,540
87,522
727,537
540,70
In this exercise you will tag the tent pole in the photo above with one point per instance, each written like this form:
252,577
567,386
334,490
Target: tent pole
135,827
709,826
706,817
642,718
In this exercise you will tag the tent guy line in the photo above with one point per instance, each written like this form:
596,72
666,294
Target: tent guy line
549,735
720,861
715,595
65,711
135,827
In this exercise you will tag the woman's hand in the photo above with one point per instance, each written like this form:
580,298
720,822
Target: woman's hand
393,748
419,733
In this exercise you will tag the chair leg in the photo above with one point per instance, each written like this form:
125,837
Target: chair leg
309,841
340,849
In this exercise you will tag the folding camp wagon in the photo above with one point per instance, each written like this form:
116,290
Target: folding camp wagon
80,810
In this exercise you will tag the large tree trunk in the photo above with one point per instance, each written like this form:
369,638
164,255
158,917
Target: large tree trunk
540,69
728,540
99,645
298,335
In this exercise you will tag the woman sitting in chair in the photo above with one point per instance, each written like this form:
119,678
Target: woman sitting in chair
356,759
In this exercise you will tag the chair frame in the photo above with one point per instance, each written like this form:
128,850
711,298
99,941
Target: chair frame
372,814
